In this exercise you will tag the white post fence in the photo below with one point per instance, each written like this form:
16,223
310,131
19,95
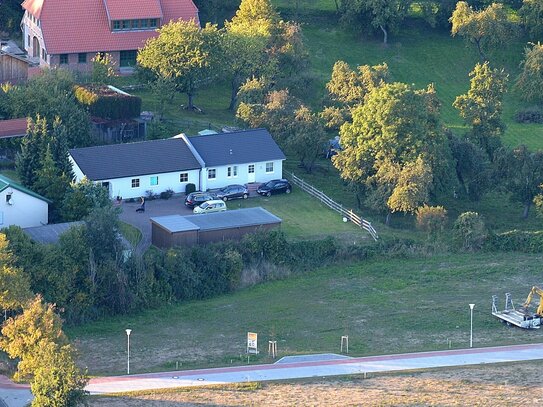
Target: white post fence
349,214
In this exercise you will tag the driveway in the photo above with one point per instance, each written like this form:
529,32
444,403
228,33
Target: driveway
157,207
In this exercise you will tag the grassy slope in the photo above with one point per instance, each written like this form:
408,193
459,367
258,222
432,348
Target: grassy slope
385,306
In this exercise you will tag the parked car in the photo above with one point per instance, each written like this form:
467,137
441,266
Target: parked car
275,186
232,192
197,198
215,205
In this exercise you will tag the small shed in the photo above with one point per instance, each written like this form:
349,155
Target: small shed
13,68
50,234
177,230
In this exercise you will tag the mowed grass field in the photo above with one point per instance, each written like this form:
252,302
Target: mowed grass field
384,305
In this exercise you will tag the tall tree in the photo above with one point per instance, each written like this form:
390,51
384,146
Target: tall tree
244,57
486,29
396,126
254,17
14,283
481,108
522,174
50,95
57,380
190,68
24,335
307,138
385,15
530,80
531,15
28,161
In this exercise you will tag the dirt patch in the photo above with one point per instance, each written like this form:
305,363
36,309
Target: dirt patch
502,385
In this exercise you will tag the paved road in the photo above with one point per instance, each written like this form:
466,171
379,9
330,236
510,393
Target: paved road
292,368
13,395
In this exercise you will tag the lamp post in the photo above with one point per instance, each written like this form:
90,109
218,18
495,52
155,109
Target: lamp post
128,331
471,325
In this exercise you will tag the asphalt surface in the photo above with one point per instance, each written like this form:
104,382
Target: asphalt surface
315,366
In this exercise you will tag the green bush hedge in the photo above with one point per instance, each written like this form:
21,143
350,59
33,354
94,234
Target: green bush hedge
516,240
107,104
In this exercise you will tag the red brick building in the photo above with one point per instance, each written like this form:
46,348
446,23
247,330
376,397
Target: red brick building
69,33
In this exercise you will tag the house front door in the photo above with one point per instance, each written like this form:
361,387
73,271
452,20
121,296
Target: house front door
251,177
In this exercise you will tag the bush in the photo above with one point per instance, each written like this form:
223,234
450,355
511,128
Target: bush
166,194
530,115
190,188
516,240
105,103
431,219
469,231
150,195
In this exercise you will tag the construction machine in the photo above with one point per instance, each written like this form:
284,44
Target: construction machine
521,317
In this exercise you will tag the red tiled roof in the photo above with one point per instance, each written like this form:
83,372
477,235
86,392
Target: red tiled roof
82,26
13,127
33,6
133,9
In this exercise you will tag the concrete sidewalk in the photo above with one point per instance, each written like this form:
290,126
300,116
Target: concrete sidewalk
316,368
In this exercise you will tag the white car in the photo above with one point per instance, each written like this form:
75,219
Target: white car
215,205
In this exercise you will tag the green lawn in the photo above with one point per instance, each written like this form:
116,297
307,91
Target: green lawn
385,306
130,233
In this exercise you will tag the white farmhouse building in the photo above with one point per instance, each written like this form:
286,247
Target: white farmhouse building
21,206
209,162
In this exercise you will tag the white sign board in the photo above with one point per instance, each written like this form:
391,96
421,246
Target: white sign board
252,342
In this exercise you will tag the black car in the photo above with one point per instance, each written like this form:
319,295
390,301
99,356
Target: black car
275,186
196,198
232,192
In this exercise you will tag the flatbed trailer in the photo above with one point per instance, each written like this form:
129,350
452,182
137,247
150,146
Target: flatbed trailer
511,316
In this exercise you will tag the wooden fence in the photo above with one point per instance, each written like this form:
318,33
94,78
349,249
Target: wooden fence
321,196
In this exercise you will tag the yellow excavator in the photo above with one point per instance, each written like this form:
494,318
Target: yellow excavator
522,317
537,291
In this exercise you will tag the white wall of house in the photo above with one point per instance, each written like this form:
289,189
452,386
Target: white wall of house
76,170
224,177
138,185
25,210
31,28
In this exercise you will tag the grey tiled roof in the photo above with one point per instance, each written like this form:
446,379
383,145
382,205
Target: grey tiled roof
49,234
241,147
131,159
218,220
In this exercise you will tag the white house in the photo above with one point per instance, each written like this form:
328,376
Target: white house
209,162
21,206
241,157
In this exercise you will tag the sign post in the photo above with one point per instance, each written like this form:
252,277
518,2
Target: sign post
252,343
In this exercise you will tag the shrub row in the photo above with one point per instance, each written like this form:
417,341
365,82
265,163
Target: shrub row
532,115
516,240
104,103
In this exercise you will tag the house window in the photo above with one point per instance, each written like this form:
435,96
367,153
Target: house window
135,182
154,181
43,54
251,169
232,171
116,25
63,59
28,39
143,24
269,167
153,23
82,57
212,173
184,177
128,58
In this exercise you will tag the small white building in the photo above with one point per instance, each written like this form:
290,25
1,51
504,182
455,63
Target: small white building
209,162
20,206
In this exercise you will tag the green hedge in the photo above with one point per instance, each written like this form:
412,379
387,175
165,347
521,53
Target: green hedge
107,104
516,240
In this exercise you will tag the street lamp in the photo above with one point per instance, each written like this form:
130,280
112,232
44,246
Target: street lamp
128,331
471,325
